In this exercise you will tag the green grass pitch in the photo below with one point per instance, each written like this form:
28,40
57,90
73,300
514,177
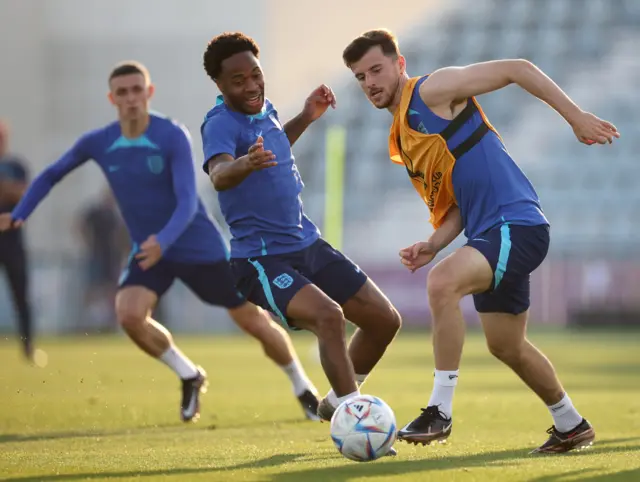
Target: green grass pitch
101,410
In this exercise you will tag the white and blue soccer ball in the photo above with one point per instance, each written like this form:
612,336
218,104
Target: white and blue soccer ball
363,428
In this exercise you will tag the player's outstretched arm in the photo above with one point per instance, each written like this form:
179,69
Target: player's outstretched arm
422,253
45,181
184,187
226,172
451,86
448,231
314,107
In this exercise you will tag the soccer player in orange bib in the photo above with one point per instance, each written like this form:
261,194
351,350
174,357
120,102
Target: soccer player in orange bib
461,169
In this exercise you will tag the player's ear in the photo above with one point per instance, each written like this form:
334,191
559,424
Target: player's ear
402,63
151,90
110,97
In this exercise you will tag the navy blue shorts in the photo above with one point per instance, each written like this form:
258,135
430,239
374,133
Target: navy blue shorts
213,283
272,281
513,252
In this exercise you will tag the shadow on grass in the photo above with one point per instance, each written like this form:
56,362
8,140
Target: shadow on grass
273,461
632,475
355,470
146,429
498,458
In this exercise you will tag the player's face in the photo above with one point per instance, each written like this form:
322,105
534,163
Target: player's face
379,76
130,94
242,83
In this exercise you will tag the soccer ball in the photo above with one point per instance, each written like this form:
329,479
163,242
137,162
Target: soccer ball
363,428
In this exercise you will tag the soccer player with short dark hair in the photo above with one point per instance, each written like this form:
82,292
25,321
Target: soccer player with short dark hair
462,170
279,259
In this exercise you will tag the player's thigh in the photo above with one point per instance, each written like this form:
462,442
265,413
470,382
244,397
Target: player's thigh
512,251
213,283
463,272
251,318
511,297
371,310
269,282
345,283
134,304
504,312
335,274
311,309
139,291
504,254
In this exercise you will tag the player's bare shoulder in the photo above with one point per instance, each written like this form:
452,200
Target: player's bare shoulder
438,98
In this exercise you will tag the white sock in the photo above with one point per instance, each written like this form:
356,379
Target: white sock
348,396
444,384
333,398
179,363
298,378
565,416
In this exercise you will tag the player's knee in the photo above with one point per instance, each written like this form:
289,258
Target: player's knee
330,321
392,322
130,319
508,353
395,320
441,288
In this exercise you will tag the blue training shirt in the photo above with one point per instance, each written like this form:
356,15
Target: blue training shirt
264,212
489,187
153,180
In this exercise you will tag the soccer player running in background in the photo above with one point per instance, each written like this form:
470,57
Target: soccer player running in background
148,162
279,260
460,167
13,254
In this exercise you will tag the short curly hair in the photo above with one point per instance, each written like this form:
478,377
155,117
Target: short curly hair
224,46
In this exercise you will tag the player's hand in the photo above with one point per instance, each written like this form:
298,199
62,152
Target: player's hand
7,222
318,102
150,253
257,158
418,255
590,129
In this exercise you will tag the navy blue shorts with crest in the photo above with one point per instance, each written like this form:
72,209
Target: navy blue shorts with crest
272,281
514,252
213,283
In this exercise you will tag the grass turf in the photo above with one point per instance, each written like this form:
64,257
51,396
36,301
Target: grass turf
101,410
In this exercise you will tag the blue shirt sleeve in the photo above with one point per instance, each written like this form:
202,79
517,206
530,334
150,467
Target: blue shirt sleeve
43,183
183,174
220,135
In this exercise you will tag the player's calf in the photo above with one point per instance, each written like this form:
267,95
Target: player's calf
133,305
505,333
378,323
257,323
277,346
314,311
329,327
